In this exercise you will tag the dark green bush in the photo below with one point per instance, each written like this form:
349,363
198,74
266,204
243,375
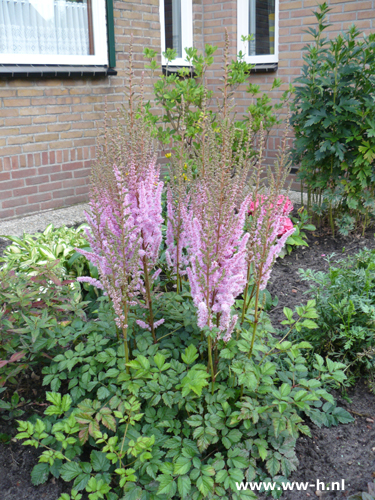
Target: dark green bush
333,120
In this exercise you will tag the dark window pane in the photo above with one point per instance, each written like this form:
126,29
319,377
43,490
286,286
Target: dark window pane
172,24
262,27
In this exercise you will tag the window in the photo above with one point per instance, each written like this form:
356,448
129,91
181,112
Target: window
176,21
53,32
259,18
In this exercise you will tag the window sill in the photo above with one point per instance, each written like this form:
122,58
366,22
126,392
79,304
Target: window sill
265,68
176,69
47,71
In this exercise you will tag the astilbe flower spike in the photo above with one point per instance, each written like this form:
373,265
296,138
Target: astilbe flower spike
125,219
114,238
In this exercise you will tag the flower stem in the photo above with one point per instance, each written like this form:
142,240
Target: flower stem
125,335
256,319
149,301
245,295
210,363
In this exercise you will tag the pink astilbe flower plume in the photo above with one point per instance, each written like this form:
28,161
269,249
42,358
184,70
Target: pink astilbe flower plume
213,212
176,239
125,213
115,241
217,270
268,228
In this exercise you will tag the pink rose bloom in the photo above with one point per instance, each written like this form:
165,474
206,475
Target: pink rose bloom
288,206
283,200
285,226
260,200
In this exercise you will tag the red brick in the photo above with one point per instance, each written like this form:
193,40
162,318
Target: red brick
25,191
64,193
7,165
73,200
82,173
72,166
59,156
48,205
13,184
50,186
49,169
6,214
14,161
28,209
45,158
22,174
59,176
15,202
38,198
73,183
83,190
30,160
37,180
4,176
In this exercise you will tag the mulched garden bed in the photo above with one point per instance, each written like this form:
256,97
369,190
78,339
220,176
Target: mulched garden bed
330,455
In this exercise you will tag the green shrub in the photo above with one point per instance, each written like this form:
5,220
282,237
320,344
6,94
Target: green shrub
35,309
301,224
183,95
345,301
333,120
162,430
53,245
50,245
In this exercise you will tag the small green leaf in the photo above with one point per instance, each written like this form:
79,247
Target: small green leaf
191,354
184,486
99,461
39,474
70,470
205,485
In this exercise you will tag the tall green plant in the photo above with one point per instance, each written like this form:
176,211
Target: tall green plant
333,112
182,95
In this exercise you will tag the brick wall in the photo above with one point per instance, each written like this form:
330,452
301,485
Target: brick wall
48,127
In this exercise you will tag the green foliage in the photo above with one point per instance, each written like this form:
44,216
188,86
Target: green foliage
365,495
35,309
12,407
301,224
54,245
40,315
51,245
161,430
334,128
345,301
182,94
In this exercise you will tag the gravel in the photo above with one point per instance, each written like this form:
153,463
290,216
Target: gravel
38,222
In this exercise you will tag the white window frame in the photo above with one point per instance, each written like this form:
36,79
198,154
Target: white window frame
186,31
243,29
99,58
